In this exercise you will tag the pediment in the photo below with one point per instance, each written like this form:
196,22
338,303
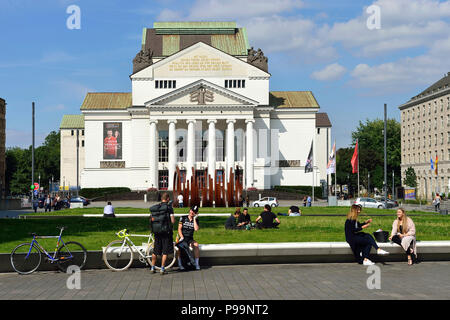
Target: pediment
200,61
202,92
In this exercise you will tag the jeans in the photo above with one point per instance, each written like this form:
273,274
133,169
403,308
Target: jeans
365,242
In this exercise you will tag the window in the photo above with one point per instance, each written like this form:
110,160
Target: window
82,132
163,146
181,144
82,143
234,83
71,132
165,84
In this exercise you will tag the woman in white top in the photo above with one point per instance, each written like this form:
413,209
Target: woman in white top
404,234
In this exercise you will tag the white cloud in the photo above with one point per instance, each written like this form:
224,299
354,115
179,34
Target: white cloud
399,75
331,72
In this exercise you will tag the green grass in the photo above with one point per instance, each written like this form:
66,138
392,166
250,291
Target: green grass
305,210
94,233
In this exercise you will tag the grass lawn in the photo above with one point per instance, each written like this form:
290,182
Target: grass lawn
94,233
305,210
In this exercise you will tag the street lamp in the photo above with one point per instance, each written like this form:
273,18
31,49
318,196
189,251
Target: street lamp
393,185
368,182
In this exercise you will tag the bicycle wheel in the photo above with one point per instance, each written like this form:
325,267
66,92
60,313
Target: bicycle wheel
25,258
118,255
170,260
71,254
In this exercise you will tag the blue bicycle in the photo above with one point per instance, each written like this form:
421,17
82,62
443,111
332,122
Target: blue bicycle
27,257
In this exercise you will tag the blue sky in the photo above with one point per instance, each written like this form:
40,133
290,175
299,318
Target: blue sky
322,46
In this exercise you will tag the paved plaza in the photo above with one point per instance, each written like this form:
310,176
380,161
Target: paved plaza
427,280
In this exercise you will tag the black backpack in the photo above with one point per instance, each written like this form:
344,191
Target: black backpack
160,219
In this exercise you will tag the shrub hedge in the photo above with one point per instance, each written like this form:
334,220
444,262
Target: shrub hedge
91,193
304,190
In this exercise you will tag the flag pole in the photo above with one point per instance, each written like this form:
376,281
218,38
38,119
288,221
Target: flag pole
358,164
335,171
312,162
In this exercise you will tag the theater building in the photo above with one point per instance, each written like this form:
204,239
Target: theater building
200,101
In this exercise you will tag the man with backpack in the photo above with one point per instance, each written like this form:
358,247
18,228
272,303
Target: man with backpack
186,228
161,222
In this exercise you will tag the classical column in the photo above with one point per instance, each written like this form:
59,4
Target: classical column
190,155
153,154
212,148
249,152
172,151
230,146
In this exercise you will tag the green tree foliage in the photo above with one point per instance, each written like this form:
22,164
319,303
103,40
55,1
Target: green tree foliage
410,178
47,163
371,155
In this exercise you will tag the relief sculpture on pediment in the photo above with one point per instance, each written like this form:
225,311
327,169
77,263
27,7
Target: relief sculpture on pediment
201,96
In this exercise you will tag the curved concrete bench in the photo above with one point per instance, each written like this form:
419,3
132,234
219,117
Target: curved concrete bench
282,252
309,252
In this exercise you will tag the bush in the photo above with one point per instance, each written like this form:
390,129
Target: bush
91,193
304,190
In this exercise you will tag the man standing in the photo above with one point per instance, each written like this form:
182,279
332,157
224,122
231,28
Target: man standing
108,211
308,201
180,200
48,204
186,228
162,220
267,217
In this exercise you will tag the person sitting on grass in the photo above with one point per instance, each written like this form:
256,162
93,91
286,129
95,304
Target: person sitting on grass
108,211
267,217
231,224
294,211
244,219
360,242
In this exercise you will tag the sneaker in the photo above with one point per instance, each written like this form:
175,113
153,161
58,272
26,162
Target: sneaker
181,268
368,263
162,272
382,252
197,267
152,270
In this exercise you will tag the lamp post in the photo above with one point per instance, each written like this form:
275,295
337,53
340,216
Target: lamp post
393,185
368,183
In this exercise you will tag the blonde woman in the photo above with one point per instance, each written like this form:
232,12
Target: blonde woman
404,234
361,243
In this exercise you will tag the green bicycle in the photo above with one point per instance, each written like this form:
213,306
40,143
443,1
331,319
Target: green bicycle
118,254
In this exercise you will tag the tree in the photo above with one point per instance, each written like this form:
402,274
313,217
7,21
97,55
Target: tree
410,178
371,155
47,163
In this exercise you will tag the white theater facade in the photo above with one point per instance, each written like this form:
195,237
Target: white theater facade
200,99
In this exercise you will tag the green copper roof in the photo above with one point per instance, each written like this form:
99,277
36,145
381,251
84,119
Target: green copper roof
198,27
167,38
72,121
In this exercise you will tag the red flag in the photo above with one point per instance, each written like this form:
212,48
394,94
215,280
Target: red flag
355,159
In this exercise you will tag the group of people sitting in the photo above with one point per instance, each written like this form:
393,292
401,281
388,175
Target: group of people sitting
266,220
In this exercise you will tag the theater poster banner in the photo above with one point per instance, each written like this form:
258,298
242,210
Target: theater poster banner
410,194
112,140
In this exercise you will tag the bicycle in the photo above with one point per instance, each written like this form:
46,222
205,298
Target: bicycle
118,254
27,257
